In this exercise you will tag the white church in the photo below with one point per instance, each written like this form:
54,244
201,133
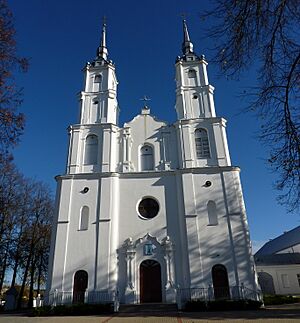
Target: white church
149,212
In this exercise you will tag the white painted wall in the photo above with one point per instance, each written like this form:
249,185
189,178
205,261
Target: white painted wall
187,246
277,271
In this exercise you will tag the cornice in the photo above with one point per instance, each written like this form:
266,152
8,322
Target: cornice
151,174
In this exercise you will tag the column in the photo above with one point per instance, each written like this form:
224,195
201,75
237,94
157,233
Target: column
126,150
130,288
169,258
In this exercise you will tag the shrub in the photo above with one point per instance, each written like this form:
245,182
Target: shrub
280,299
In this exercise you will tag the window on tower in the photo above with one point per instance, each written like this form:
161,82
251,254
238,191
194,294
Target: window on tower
84,218
97,82
192,74
146,158
91,150
202,144
98,78
212,213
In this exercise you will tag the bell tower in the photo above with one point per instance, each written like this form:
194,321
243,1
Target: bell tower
201,133
194,94
98,101
91,147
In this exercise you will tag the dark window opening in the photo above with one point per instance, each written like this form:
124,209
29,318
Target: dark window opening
148,208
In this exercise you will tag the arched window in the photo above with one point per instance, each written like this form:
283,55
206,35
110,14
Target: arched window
98,78
91,150
202,144
80,286
192,74
212,213
147,161
192,77
84,218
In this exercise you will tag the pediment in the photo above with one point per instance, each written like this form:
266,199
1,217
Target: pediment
140,118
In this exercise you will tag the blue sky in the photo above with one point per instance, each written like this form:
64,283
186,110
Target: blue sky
144,38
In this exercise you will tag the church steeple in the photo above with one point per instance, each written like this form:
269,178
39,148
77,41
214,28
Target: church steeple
102,51
99,97
194,93
187,45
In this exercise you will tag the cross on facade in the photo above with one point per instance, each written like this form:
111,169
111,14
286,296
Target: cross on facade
145,99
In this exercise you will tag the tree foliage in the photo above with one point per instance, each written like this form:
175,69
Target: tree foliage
26,209
266,34
11,121
26,206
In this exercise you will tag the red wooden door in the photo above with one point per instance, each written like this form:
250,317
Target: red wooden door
220,282
80,286
150,282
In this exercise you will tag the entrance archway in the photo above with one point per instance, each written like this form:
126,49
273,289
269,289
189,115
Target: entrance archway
220,282
150,282
80,286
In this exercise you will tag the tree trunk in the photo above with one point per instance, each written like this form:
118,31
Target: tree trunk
2,275
25,277
15,270
30,300
17,258
40,268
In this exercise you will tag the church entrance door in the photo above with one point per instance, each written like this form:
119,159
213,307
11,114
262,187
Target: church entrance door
150,282
80,286
220,282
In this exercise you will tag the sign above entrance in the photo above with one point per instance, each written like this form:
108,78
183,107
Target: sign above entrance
148,249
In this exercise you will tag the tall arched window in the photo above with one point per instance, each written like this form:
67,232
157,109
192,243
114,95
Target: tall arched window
97,82
84,218
202,143
212,213
91,150
147,160
98,78
192,74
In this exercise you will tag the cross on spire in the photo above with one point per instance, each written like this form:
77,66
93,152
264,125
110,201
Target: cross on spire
102,49
187,45
145,99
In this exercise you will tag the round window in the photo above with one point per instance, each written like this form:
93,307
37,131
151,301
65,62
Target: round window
148,208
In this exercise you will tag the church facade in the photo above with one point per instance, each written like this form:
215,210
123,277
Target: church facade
149,212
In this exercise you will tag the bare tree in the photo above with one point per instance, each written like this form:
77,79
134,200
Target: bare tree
36,238
265,34
11,121
10,187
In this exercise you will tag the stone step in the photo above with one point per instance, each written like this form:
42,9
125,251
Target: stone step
148,308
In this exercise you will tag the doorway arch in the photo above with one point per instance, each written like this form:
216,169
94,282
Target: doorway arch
220,282
80,286
266,283
150,282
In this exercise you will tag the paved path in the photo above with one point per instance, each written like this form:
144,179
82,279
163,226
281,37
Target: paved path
277,314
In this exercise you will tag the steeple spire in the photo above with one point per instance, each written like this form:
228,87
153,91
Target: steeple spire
102,51
187,45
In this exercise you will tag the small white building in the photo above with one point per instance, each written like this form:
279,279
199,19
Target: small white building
149,212
278,264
